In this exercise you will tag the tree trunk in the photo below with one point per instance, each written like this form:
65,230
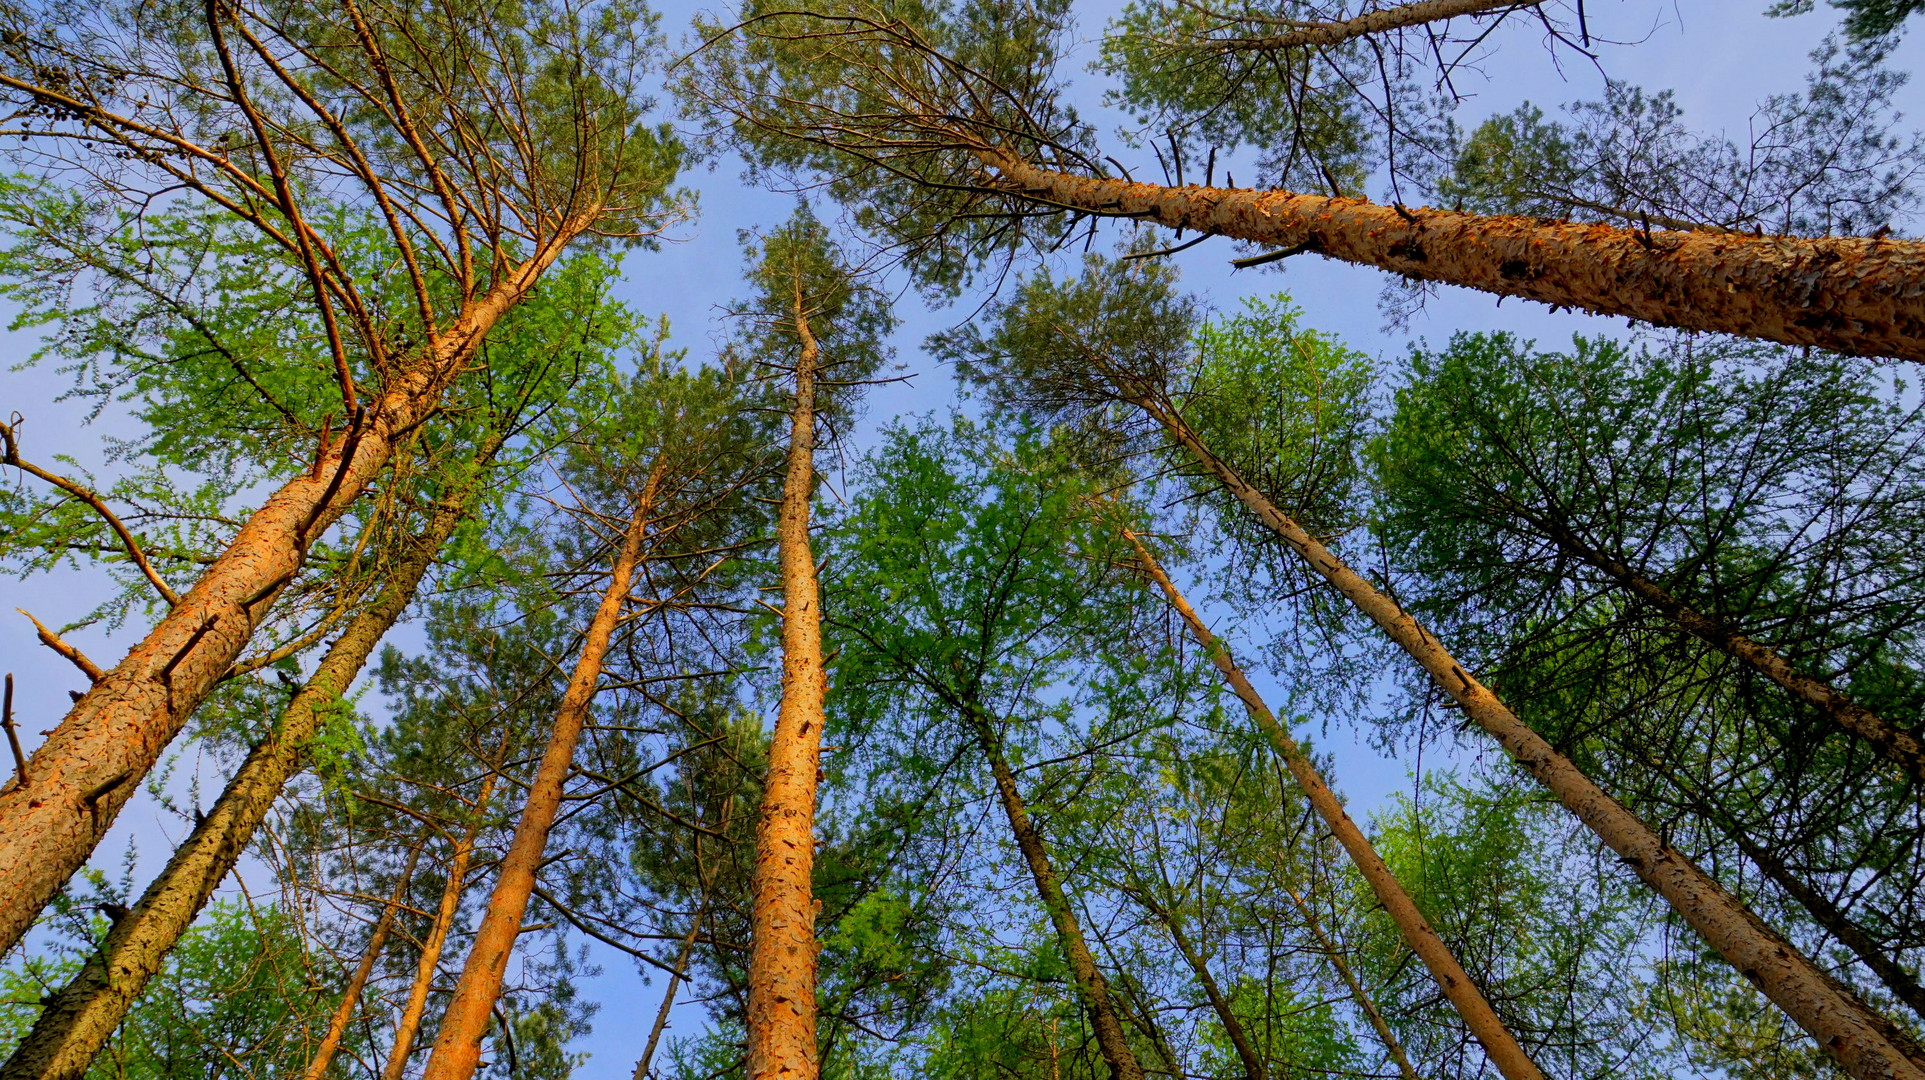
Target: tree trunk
1856,296
1253,1067
1498,1043
428,964
1094,988
1869,1046
317,1066
1392,1045
457,1048
668,995
1372,22
781,992
94,760
80,1019
1898,746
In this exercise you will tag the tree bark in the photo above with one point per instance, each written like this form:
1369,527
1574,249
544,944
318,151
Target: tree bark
668,995
80,1019
1392,1045
94,760
782,959
1382,20
1897,745
457,1048
1865,297
1253,1067
1868,1046
317,1066
1499,1045
428,964
1094,988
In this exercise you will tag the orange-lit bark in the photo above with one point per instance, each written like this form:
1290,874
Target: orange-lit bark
1866,1044
457,1049
1865,297
782,957
78,1020
94,760
1379,21
317,1065
1498,1043
428,963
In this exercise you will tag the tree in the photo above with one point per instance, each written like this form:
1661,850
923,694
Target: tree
949,130
1079,368
249,110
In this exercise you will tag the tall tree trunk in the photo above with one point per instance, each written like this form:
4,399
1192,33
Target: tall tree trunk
1094,988
1869,1046
1392,1045
317,1066
94,760
457,1048
1898,746
428,964
1499,1045
1253,1067
1371,22
668,994
1902,983
1857,296
80,1019
781,992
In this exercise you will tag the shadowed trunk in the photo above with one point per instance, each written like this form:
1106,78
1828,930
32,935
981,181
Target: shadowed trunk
1092,986
1253,1068
1869,1046
457,1048
1392,1045
782,959
1498,1043
668,995
78,1021
1856,296
94,760
1898,746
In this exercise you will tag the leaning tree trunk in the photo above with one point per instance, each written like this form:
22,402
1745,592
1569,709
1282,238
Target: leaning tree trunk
428,963
1498,1043
1392,1045
1253,1067
1869,1046
77,1021
1897,745
781,1008
457,1049
317,1065
1865,297
93,762
1382,20
1090,983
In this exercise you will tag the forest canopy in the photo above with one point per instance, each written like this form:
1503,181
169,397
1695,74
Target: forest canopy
962,538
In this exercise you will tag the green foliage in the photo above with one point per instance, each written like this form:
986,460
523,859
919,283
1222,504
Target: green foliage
235,998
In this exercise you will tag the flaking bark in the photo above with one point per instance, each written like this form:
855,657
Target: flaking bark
1464,995
95,758
1866,1044
782,958
77,1022
457,1048
1864,297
